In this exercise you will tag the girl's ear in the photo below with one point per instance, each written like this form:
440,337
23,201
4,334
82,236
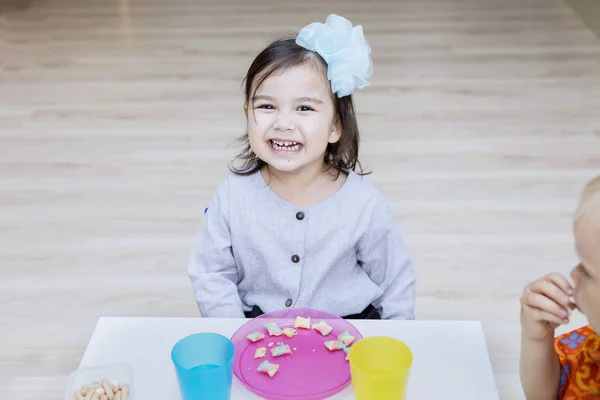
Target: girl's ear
336,132
246,110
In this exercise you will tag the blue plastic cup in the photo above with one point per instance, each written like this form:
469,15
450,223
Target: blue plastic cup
204,366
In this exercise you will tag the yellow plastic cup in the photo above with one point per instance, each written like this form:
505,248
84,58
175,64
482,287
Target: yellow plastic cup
380,368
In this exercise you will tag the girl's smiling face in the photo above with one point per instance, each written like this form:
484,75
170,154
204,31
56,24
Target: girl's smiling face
291,119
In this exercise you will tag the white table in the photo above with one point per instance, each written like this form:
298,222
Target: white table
450,358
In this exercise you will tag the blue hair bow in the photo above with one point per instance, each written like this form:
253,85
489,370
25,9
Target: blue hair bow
344,49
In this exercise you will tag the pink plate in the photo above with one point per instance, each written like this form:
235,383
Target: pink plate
311,372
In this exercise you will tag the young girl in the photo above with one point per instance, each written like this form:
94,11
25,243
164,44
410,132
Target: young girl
567,367
294,225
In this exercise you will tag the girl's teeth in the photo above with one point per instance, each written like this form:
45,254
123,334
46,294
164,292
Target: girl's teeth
285,146
285,143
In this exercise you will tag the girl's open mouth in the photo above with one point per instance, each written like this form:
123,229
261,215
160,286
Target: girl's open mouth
284,145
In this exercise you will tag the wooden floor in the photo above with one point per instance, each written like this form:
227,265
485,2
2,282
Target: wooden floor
117,120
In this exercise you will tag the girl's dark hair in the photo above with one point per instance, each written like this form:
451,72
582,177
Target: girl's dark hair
278,57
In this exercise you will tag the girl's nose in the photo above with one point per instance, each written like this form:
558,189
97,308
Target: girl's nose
284,123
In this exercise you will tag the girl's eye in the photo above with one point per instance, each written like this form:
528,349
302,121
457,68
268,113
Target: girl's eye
265,107
305,108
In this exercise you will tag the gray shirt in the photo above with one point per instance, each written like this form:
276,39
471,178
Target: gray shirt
338,256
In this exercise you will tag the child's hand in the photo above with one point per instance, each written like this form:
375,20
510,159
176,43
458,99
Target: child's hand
545,304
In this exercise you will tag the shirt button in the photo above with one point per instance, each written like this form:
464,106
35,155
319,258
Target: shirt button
295,259
288,303
300,216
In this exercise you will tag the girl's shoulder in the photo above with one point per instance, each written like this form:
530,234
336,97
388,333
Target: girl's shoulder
239,183
364,190
362,186
571,344
368,198
232,187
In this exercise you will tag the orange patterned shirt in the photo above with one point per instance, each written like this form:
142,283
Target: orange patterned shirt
579,355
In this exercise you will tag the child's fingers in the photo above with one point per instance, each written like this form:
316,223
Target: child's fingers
546,304
560,281
551,290
544,316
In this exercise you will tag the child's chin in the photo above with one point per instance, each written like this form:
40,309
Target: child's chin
285,165
593,318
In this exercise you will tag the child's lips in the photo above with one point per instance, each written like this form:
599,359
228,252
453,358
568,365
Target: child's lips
285,146
573,304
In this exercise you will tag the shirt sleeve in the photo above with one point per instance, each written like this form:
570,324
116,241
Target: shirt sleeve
211,268
384,256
